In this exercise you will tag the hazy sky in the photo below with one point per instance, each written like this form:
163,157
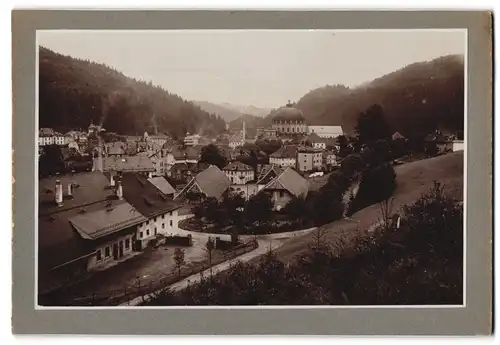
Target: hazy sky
263,68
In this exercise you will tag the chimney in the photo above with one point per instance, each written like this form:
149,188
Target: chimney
119,190
111,180
70,189
59,193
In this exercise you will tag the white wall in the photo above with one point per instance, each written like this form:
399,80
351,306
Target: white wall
167,223
94,263
283,162
458,146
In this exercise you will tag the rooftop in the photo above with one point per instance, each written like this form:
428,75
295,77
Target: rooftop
138,163
287,151
291,181
237,166
212,182
145,196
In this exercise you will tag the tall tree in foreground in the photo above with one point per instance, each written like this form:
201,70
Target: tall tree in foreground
179,259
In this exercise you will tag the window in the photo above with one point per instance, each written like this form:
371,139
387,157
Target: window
282,194
140,234
171,222
163,216
156,231
147,232
127,243
163,226
106,251
170,213
98,255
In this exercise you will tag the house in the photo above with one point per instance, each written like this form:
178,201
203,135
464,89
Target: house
326,131
83,225
285,156
242,177
443,143
210,183
330,158
398,136
315,141
159,139
309,159
236,140
192,140
47,136
159,209
283,188
163,185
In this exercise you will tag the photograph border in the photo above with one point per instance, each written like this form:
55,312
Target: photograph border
474,318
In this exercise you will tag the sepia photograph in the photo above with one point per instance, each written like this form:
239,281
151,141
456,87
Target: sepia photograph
190,168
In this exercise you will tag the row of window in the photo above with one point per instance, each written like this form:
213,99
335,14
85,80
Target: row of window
158,218
156,230
107,250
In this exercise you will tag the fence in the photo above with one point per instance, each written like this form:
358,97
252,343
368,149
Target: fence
141,289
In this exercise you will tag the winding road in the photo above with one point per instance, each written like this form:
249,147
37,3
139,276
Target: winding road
266,243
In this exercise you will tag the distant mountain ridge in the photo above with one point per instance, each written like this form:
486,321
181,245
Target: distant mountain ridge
230,112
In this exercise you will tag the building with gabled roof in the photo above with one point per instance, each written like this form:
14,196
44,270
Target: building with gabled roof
139,163
211,183
315,141
286,186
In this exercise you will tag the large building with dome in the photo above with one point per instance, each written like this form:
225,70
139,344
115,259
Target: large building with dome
289,120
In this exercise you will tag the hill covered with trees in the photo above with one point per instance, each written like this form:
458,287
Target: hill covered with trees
75,92
416,99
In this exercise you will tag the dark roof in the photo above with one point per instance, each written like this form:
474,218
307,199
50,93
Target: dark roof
287,151
138,163
290,181
88,187
287,113
145,197
237,166
212,182
190,152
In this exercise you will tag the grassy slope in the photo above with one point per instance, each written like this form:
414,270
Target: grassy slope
413,179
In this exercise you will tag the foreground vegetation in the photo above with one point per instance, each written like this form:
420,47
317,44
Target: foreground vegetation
416,260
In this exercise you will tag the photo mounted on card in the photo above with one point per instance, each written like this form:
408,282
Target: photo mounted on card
262,168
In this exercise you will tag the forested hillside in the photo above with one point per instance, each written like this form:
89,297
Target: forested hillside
416,99
74,92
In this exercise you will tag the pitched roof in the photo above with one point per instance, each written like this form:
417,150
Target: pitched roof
212,182
189,152
237,166
268,172
146,197
138,163
105,221
287,151
162,184
397,135
291,181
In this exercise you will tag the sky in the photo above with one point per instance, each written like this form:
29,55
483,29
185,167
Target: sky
247,67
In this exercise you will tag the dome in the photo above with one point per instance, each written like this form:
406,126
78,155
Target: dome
288,113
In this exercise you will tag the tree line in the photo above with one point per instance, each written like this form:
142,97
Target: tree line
74,92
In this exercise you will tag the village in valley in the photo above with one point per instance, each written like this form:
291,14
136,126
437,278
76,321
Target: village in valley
271,209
